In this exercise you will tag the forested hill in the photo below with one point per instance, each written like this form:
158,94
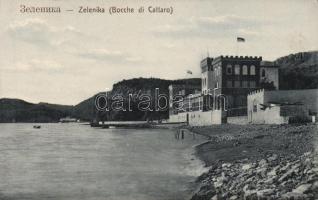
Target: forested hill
298,71
86,109
16,110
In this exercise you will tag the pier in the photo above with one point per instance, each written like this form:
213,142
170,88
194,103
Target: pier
135,124
123,124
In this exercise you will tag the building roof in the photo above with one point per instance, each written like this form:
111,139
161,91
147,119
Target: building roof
185,86
239,57
269,64
229,57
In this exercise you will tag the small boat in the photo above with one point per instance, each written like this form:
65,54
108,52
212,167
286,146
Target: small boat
36,126
68,119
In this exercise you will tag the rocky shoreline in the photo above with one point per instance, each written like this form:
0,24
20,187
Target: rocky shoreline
258,162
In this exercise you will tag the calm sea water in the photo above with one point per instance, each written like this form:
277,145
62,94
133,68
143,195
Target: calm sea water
73,161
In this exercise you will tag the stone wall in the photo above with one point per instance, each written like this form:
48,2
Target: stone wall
180,117
280,114
308,97
268,116
294,110
199,118
241,120
254,99
207,118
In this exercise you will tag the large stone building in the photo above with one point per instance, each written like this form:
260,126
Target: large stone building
226,82
234,77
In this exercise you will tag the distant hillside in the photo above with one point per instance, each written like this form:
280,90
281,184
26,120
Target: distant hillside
298,71
16,110
86,109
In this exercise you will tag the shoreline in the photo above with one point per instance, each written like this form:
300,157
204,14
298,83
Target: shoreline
244,161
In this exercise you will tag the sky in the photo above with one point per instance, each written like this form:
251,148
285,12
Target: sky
68,57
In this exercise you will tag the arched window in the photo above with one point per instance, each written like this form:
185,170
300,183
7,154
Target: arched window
255,105
252,70
263,72
217,71
229,69
237,70
244,69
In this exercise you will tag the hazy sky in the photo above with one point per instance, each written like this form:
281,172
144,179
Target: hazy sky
67,57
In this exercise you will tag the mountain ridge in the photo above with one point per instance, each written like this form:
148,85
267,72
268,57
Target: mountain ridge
297,71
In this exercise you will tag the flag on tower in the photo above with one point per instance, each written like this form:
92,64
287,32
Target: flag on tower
240,39
189,72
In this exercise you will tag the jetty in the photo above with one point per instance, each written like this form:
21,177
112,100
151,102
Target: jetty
122,124
136,124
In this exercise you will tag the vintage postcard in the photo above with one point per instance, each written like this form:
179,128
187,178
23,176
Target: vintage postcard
158,100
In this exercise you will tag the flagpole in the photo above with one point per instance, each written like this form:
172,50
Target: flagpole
236,48
238,40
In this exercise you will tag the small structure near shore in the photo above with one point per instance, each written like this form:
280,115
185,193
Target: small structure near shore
122,124
282,106
68,119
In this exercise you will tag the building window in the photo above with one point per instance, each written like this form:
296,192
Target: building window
217,71
229,69
252,84
229,84
254,108
217,85
244,84
244,70
263,72
237,70
252,70
237,84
